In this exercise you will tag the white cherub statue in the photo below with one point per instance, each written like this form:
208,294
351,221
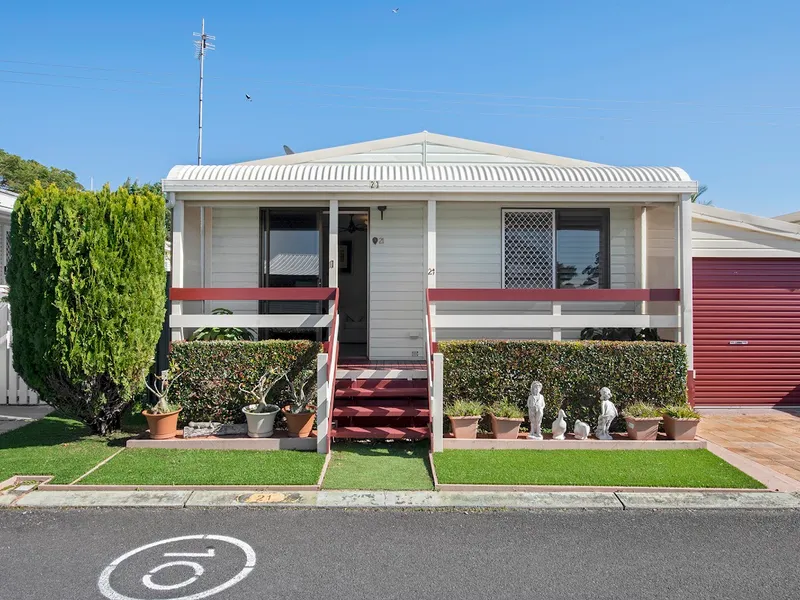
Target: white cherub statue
581,430
560,425
536,410
608,412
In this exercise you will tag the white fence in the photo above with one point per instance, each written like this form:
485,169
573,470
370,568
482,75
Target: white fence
13,390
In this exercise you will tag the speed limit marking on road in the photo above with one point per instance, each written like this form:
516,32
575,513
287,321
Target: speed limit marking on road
197,570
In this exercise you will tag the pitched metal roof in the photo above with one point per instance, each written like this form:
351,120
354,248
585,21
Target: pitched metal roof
368,177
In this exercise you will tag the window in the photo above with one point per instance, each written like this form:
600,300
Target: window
565,248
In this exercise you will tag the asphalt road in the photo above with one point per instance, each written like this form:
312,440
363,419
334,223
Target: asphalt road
352,554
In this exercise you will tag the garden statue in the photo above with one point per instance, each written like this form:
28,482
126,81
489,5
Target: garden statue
560,425
536,410
581,430
608,412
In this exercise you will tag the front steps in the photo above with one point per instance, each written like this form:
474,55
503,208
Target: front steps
378,402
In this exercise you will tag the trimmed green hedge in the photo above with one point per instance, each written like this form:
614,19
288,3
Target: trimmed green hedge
572,374
211,373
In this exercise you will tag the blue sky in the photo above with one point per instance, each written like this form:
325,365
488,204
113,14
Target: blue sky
710,86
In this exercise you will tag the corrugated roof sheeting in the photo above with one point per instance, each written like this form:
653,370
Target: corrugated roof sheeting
430,173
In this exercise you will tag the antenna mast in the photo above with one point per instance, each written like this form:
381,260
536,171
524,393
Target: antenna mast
201,46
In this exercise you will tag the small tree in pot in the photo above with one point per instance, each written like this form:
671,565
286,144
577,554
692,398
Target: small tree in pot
300,413
162,417
261,416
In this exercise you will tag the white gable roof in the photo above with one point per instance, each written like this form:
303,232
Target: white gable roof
422,148
426,162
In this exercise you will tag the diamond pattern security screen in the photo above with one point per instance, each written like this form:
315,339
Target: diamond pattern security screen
6,254
529,249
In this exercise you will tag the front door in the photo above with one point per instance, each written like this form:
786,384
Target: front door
353,283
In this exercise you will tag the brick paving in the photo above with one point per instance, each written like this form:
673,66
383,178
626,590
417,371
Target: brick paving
771,439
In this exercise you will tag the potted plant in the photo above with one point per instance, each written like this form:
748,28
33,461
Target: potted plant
162,417
261,416
680,422
642,421
300,413
506,420
464,416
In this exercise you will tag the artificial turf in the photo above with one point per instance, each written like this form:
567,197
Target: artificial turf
156,466
639,468
379,466
53,446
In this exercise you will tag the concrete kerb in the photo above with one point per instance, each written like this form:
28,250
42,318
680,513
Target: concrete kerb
425,500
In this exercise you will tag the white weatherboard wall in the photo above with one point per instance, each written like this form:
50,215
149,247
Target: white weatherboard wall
724,241
469,255
234,255
396,282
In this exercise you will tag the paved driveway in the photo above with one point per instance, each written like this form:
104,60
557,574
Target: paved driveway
14,416
770,438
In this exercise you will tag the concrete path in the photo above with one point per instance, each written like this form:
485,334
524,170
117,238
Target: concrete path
365,554
406,500
14,416
768,438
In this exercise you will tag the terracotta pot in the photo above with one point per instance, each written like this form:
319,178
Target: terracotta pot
642,428
162,427
680,429
465,428
299,425
505,429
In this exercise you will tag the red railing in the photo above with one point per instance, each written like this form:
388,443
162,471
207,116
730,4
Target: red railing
333,359
264,293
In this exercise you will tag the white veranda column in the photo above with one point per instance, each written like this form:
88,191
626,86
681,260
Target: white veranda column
333,244
176,260
686,320
437,408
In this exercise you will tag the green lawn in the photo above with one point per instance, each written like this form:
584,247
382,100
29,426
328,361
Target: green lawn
152,466
379,466
53,446
641,468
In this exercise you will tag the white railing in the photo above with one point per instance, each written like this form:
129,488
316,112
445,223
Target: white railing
13,390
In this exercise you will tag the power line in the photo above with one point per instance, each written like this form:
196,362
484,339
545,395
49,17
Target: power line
426,91
88,89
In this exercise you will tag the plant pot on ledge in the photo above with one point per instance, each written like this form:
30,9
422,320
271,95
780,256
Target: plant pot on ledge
680,422
464,428
464,416
642,428
299,424
163,426
506,420
260,419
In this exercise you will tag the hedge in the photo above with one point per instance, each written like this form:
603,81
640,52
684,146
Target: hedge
86,287
209,374
572,374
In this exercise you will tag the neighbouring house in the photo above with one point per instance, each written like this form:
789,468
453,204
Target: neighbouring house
392,245
7,200
793,217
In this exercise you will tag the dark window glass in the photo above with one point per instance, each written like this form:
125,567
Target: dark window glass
582,248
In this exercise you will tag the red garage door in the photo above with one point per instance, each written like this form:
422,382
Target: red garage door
747,331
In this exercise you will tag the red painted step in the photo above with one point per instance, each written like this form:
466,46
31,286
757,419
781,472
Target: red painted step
361,392
383,433
380,411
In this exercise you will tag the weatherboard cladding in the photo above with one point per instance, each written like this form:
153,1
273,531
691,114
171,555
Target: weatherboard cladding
430,173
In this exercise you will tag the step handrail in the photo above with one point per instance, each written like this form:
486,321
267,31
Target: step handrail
333,360
429,351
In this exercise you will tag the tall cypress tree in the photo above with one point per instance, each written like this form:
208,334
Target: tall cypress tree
86,280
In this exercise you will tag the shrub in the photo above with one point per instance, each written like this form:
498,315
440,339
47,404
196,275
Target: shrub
87,299
464,408
214,373
572,374
681,411
642,410
505,409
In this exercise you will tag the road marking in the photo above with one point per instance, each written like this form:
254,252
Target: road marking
209,552
148,579
104,582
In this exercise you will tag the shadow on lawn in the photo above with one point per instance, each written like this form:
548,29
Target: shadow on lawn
57,429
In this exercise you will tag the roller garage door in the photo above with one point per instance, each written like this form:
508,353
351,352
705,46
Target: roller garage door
747,331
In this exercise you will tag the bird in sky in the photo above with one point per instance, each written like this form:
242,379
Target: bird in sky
395,10
248,97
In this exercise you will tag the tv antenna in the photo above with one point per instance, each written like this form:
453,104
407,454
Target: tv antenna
202,45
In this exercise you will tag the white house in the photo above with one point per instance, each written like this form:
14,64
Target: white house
7,200
427,237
